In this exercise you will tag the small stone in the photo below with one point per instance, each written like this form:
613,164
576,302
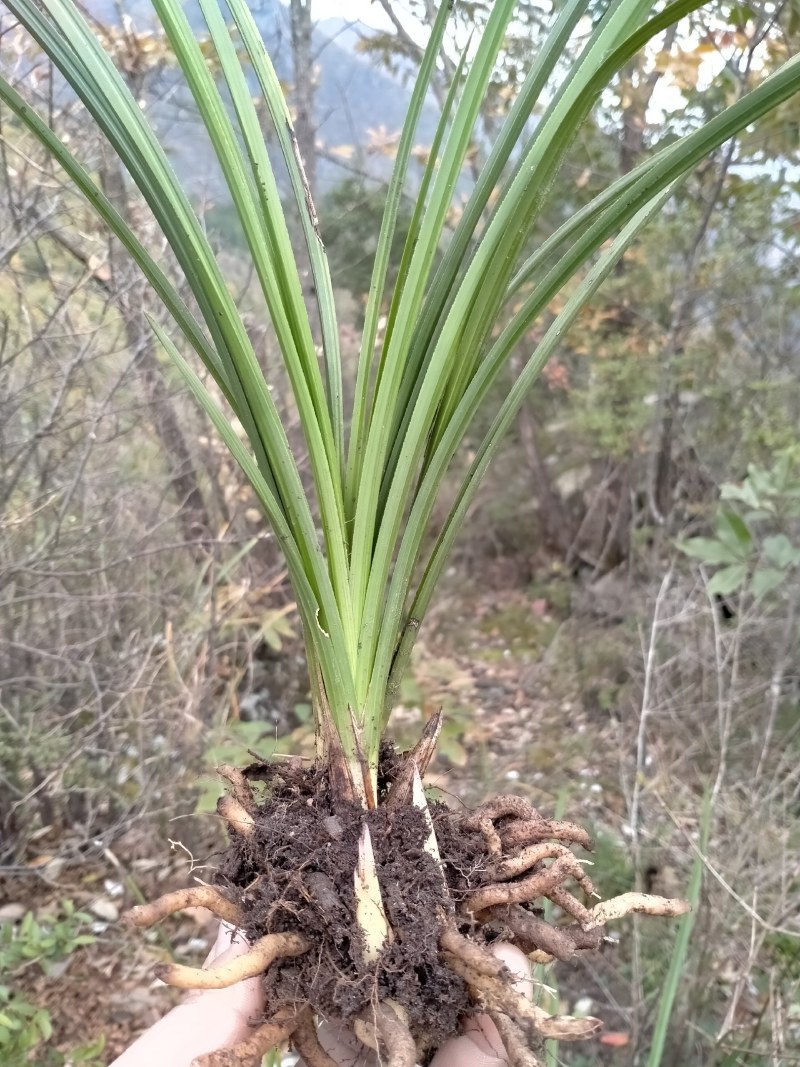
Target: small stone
11,913
196,945
333,826
58,969
104,909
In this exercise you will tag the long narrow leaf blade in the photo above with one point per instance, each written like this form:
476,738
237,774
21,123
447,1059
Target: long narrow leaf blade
364,568
512,403
328,644
442,288
162,286
66,38
257,204
361,409
680,951
279,113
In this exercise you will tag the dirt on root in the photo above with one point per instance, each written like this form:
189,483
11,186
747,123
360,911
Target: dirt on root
295,874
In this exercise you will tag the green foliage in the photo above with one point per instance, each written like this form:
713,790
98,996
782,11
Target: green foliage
43,943
681,950
358,549
756,541
613,868
233,744
25,1028
351,214
785,952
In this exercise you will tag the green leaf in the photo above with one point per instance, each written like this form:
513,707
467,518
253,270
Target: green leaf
728,580
419,393
43,1024
744,492
257,203
370,563
732,529
416,524
767,579
780,551
708,550
66,38
310,581
680,952
361,405
284,131
303,712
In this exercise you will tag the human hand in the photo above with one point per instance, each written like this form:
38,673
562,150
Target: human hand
478,1045
204,1021
219,1018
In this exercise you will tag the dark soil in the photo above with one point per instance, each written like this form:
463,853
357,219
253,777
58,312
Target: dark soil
295,874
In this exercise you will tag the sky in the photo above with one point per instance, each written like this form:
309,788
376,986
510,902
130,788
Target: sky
365,11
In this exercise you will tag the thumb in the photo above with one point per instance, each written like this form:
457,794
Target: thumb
204,1021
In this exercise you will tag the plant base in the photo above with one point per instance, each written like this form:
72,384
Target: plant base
287,881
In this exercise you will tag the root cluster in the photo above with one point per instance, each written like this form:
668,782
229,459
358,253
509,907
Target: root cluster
287,882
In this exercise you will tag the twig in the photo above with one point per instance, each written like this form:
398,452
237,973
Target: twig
712,870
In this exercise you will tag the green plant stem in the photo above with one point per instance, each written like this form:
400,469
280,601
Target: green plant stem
680,952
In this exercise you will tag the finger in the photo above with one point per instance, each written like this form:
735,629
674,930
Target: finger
471,1050
227,936
519,965
480,1044
204,1021
343,1046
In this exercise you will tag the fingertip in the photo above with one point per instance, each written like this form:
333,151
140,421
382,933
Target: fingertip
470,1050
519,965
228,937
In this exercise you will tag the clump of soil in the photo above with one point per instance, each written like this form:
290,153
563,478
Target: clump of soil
287,879
295,874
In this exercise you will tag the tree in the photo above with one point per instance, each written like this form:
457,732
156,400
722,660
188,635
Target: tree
352,212
635,466
303,91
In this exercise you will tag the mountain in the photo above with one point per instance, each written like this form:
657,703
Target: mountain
357,103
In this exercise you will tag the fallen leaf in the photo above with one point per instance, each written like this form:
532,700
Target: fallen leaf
615,1039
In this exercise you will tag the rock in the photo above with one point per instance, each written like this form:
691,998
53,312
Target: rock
12,913
104,909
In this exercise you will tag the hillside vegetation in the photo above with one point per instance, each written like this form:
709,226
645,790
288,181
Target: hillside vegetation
622,607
